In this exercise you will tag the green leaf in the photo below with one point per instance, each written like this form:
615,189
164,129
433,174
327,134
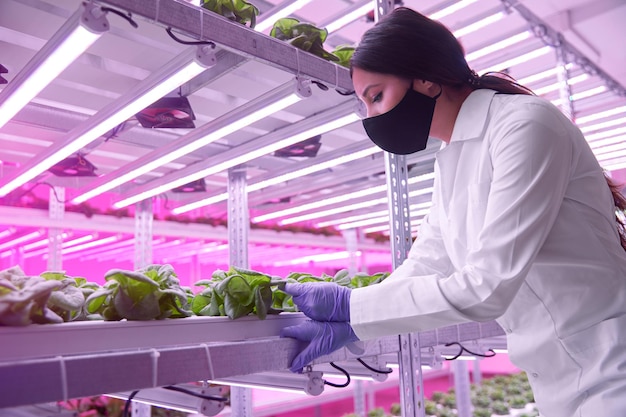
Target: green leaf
237,288
283,28
132,307
234,309
262,300
95,302
59,276
67,298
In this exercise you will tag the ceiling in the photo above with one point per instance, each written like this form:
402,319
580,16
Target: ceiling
121,58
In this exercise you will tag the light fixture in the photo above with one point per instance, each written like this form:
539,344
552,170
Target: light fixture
282,10
498,46
611,140
253,111
67,244
310,383
453,8
376,220
371,215
21,239
603,125
6,233
345,17
120,246
321,123
555,87
40,243
88,245
600,115
517,60
337,199
473,27
79,32
323,257
541,75
171,75
256,186
583,94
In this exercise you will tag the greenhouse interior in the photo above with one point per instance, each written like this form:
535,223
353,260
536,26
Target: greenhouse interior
187,141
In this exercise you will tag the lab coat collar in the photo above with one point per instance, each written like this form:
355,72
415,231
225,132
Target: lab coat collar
472,117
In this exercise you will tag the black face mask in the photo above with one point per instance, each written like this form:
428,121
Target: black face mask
404,129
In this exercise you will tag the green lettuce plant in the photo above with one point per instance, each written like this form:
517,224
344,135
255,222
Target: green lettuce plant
304,36
239,11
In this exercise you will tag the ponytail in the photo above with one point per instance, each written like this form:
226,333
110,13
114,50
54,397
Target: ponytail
620,206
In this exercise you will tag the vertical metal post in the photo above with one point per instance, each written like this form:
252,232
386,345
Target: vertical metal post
476,373
350,235
462,388
195,274
143,233
565,90
238,230
358,395
56,210
409,358
143,258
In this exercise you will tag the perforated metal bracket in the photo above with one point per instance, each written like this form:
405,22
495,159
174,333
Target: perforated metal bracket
206,55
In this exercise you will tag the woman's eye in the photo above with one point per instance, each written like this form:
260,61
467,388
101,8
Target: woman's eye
377,97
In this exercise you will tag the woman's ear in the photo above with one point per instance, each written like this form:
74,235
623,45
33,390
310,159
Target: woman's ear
425,87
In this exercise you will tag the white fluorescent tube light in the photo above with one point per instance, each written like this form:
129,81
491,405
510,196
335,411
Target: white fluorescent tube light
376,220
324,257
178,71
600,115
459,33
7,233
613,155
97,251
151,189
607,141
608,150
21,239
339,199
556,86
603,125
88,245
280,12
281,178
583,94
542,75
380,213
63,245
79,32
606,134
251,112
348,16
451,9
498,46
517,60
42,242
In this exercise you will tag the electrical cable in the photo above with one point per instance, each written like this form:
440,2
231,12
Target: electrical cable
195,394
343,371
179,40
128,16
128,402
463,349
378,371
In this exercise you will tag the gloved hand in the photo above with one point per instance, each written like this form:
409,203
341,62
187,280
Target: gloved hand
323,338
321,301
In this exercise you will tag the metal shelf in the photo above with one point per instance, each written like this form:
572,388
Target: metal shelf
44,363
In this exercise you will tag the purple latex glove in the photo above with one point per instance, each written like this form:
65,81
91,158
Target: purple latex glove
322,337
321,301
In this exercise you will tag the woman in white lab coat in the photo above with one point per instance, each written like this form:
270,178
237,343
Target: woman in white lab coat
522,228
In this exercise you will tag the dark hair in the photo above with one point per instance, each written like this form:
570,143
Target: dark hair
409,45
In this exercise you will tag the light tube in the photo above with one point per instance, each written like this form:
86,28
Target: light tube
607,141
88,245
85,238
376,220
603,125
606,134
268,21
241,159
21,239
541,75
517,60
608,150
147,92
497,46
330,212
339,199
7,233
239,118
600,115
451,9
478,25
615,166
324,257
583,94
97,251
281,178
613,155
380,213
349,17
76,35
554,87
42,242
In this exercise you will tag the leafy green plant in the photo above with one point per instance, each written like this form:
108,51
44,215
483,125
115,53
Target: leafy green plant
500,408
481,400
344,53
395,409
150,293
517,401
482,412
376,412
239,11
430,407
305,36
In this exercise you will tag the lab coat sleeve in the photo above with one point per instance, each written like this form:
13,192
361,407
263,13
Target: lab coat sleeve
532,155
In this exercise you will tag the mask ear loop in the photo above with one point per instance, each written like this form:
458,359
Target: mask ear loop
439,93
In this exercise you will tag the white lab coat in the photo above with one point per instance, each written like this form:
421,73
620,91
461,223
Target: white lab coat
521,230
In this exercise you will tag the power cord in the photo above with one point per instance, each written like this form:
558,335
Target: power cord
128,402
464,349
195,394
343,371
378,371
179,40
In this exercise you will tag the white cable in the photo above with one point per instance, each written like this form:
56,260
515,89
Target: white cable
154,355
63,377
209,361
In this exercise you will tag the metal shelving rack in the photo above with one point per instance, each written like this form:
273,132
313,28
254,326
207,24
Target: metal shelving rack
57,362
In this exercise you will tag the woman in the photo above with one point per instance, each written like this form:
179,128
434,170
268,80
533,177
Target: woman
522,228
